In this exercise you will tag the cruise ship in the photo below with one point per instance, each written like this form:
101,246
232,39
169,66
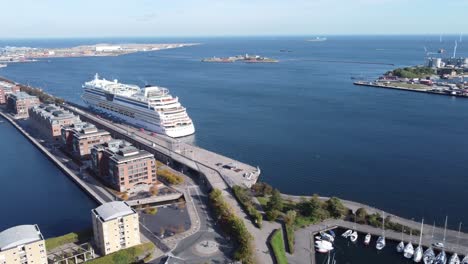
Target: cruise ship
151,107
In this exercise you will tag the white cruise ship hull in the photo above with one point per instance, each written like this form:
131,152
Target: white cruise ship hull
94,103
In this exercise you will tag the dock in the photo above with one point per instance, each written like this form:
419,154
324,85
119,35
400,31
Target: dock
454,243
429,90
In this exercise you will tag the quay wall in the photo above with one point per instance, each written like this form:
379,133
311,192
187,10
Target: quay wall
57,162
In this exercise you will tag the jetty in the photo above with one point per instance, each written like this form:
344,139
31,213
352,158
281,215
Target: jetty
428,90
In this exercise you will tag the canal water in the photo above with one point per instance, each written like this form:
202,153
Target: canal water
301,120
35,191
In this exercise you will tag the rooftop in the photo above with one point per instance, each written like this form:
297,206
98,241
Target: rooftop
113,210
22,95
122,151
19,235
54,113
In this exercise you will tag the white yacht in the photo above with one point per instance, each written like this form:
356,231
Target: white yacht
454,259
151,107
367,239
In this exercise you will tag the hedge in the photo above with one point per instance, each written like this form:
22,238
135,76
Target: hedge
277,244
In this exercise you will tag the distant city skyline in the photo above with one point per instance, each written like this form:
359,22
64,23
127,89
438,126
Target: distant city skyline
153,18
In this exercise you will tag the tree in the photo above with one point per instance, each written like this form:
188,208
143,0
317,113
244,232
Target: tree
290,217
361,215
154,190
276,202
272,215
336,208
124,196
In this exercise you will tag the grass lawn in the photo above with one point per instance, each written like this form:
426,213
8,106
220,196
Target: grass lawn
77,237
277,244
128,255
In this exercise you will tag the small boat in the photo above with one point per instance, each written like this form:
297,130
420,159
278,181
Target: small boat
429,256
332,233
326,236
347,233
323,246
408,252
400,247
380,243
418,253
381,240
367,239
465,260
441,258
454,259
354,236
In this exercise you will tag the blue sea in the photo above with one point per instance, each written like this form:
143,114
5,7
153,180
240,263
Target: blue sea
301,120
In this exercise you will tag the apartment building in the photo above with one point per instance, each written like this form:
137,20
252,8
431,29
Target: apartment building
49,120
20,102
23,244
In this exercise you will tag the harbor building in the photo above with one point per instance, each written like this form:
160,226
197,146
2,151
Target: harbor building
115,227
122,165
20,102
80,137
23,244
49,120
7,88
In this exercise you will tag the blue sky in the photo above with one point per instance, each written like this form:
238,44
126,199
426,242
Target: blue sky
107,18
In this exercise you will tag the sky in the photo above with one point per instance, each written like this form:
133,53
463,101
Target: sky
145,18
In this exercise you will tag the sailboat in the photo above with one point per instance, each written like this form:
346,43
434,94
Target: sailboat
354,235
418,253
367,239
381,240
401,246
442,257
409,249
465,260
429,255
454,259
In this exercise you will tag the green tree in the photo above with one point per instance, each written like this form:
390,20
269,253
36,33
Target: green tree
336,208
361,215
276,202
272,215
290,217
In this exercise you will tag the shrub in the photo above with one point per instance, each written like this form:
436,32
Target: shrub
336,208
151,210
290,237
245,199
170,177
272,215
262,189
233,226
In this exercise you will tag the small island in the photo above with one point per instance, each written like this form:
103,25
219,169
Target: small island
241,58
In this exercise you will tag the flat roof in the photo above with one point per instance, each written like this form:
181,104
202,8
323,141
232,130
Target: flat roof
19,235
22,95
113,210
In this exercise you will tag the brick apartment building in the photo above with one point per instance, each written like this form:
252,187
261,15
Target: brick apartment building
49,120
7,88
19,103
122,165
80,137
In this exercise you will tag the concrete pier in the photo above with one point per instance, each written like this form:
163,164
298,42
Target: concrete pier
213,166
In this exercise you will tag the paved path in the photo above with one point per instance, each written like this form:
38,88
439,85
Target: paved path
204,162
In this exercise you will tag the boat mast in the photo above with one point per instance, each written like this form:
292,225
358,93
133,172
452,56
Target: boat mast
383,224
421,233
445,228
